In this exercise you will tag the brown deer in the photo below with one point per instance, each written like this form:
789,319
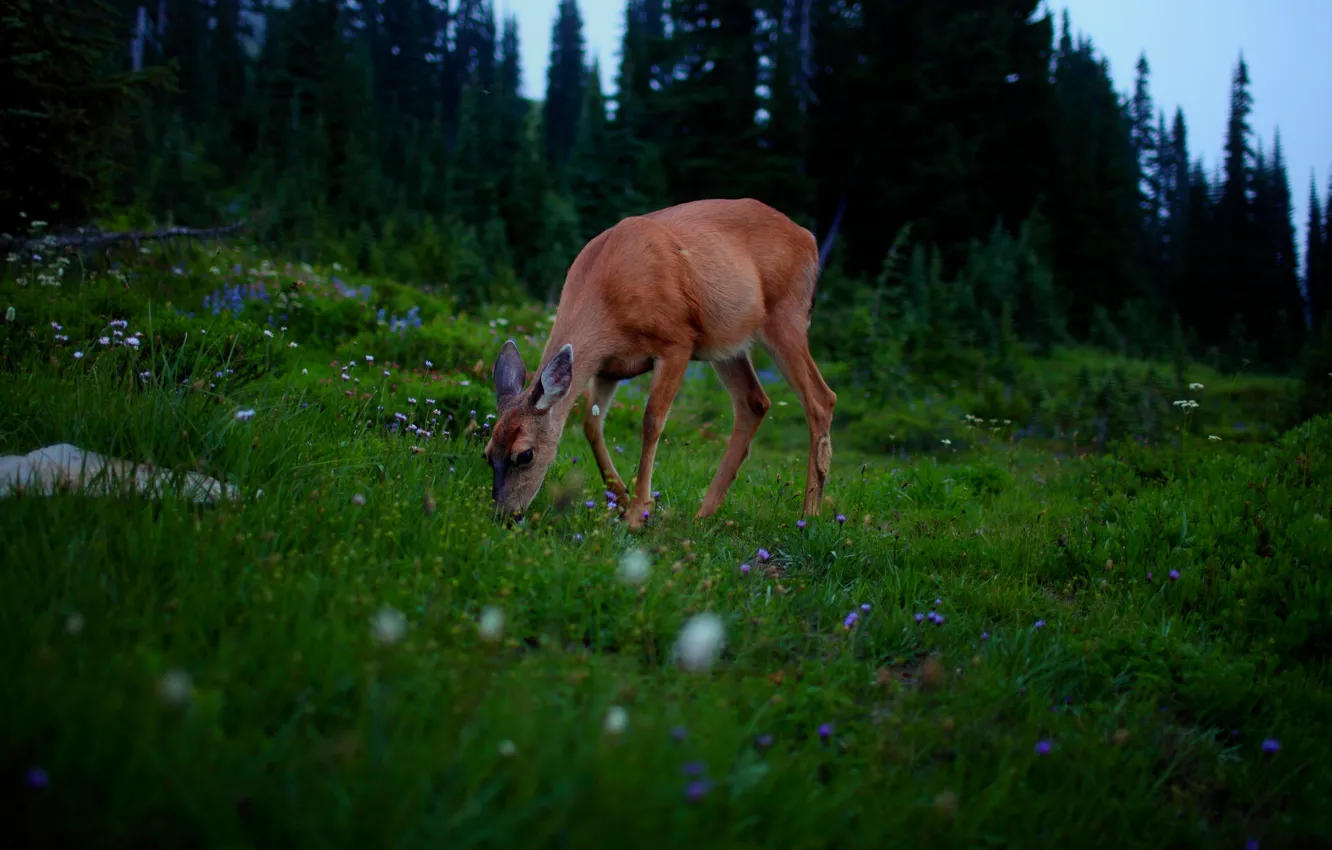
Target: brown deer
698,281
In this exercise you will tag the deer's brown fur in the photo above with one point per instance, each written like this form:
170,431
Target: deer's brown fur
698,281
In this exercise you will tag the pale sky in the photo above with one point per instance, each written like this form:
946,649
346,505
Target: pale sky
1191,45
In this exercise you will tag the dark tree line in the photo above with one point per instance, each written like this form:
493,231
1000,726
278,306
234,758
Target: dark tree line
393,134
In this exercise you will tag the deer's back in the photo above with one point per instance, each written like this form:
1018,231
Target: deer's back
711,270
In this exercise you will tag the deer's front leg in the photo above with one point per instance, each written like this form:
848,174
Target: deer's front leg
599,394
666,378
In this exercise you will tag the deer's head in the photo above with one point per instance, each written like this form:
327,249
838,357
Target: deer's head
528,427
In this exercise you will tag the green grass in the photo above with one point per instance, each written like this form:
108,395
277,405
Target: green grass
300,728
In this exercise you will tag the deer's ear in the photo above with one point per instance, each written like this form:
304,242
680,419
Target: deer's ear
509,374
556,378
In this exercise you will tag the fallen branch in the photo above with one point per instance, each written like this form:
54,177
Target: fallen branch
93,238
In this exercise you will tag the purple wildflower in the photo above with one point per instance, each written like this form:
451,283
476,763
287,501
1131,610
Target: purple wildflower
985,635
38,778
1040,624
825,731
656,494
763,742
646,514
865,607
678,733
693,768
1174,575
697,790
1149,576
841,519
1042,748
1271,745
920,618
763,555
800,523
578,535
850,620
590,504
744,569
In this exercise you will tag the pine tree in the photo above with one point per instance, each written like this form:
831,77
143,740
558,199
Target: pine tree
565,82
1238,241
1315,257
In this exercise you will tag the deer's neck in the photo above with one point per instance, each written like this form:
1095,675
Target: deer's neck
589,347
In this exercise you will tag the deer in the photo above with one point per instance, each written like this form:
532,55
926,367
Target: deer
699,281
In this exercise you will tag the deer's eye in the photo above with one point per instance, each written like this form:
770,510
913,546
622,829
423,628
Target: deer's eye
523,458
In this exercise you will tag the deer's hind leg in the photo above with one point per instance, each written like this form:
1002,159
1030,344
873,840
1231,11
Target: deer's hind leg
750,404
784,335
599,394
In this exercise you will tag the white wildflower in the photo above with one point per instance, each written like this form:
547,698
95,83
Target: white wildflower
946,441
508,749
617,720
245,415
634,566
1195,386
388,626
74,623
491,624
176,687
700,642
596,410
1213,437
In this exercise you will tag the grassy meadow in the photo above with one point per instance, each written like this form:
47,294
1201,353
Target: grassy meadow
995,634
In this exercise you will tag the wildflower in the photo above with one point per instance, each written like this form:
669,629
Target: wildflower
244,415
1042,748
78,355
596,410
590,504
865,606
104,340
507,749
38,778
292,345
10,314
358,500
763,742
985,635
1149,575
132,342
946,441
491,625
800,523
268,333
1271,745
634,566
1213,437
697,790
700,642
176,687
429,365
74,623
617,720
841,519
763,555
744,569
850,621
693,768
920,618
388,626
938,601
305,371
1174,575
656,494
825,731
1195,386
1040,624
369,358
678,733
